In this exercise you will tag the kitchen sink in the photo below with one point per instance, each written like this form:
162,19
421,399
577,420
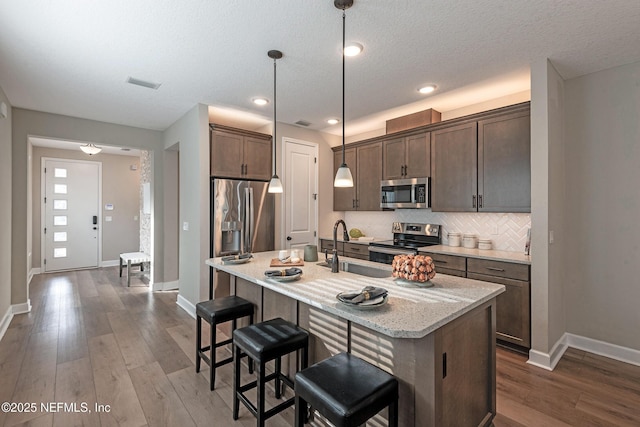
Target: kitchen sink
362,270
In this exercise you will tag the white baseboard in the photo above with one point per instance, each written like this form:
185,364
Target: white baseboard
165,286
613,351
4,323
110,263
602,348
32,273
549,360
11,311
186,305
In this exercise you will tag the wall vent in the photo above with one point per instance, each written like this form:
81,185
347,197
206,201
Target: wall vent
143,83
303,123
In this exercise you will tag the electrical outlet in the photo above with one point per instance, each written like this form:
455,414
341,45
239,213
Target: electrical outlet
551,237
495,230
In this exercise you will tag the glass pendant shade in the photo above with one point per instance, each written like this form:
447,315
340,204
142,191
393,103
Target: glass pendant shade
275,185
343,177
90,149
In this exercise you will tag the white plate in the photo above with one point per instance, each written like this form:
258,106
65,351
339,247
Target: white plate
412,284
285,278
237,261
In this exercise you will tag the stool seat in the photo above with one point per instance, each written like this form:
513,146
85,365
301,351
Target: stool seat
270,339
346,390
214,312
222,310
263,342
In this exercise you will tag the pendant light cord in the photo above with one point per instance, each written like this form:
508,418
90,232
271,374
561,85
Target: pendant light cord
275,148
343,44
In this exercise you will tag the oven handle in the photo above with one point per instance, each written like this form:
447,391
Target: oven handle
391,251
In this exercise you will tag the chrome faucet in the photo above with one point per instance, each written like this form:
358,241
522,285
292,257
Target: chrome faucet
335,263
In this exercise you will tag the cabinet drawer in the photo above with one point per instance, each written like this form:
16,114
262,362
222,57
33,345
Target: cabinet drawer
328,245
356,248
449,262
498,268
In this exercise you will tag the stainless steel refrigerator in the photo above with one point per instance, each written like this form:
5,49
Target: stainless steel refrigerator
242,218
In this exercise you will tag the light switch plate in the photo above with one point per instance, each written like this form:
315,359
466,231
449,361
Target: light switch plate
185,226
108,219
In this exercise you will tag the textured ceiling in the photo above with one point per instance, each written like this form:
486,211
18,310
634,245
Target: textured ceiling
73,57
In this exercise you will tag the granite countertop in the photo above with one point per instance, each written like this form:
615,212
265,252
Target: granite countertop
515,257
409,313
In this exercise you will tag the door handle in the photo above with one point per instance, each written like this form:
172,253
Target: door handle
288,237
95,220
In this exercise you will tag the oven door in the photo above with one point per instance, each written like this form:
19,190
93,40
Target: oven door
385,255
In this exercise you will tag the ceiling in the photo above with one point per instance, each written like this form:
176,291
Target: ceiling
72,145
74,57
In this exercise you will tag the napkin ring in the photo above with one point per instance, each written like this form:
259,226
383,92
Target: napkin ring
366,295
283,272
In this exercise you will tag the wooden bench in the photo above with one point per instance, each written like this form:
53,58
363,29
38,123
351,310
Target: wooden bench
133,258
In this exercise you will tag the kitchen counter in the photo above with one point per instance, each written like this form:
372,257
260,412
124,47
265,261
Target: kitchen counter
357,241
515,257
409,313
439,342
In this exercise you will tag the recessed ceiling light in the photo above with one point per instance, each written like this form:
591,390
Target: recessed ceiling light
352,49
427,89
260,101
333,121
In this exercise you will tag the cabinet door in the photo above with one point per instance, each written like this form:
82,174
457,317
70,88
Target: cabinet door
226,154
257,158
513,309
504,164
369,177
344,199
418,155
394,158
454,171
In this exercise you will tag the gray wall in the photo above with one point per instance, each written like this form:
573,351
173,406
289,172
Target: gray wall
120,187
191,132
547,207
5,209
603,205
27,123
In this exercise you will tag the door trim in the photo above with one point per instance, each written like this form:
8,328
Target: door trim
283,164
43,161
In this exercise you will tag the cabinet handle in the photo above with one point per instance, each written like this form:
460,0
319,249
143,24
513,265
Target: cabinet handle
480,201
405,170
357,203
246,166
444,365
439,261
355,249
495,269
473,201
242,169
402,170
353,203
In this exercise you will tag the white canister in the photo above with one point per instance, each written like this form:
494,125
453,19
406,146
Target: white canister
454,238
469,241
484,244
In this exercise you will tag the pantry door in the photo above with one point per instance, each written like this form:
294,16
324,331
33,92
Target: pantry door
300,193
71,214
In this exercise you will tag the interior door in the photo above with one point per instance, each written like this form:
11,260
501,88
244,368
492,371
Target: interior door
300,193
71,214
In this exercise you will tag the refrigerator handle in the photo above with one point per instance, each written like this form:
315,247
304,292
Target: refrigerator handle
251,219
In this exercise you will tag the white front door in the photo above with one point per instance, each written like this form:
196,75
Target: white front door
71,190
300,193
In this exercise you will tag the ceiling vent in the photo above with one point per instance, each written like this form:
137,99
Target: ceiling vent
143,83
303,123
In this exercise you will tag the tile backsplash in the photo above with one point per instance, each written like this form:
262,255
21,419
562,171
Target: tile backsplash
507,231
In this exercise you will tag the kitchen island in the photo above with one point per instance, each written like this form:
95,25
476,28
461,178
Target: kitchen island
438,341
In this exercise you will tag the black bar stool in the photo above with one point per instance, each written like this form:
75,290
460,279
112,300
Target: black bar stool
263,342
346,390
214,312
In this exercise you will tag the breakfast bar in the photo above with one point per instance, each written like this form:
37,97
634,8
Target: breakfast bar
439,341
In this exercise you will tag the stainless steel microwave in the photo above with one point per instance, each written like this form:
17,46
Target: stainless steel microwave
410,193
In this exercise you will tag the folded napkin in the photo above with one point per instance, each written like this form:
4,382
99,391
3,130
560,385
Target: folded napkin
236,257
278,273
367,293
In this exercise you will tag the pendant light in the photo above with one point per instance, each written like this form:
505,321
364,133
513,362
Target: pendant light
90,149
275,185
343,175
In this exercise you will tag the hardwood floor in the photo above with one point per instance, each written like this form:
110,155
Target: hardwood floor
90,339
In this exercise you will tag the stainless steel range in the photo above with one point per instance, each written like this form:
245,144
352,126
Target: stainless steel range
407,238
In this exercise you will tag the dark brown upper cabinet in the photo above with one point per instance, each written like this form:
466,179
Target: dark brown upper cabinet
407,157
365,163
240,154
